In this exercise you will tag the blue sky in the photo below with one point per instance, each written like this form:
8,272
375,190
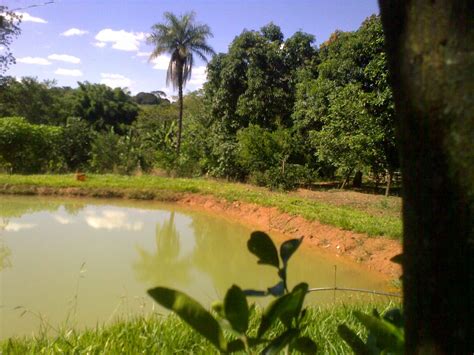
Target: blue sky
103,41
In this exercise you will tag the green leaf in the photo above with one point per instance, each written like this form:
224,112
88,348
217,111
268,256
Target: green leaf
192,313
280,342
285,308
262,246
352,339
288,248
294,307
236,309
389,337
218,307
305,345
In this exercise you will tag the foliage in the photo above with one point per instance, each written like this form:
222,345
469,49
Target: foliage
346,111
139,334
102,106
181,38
75,144
385,334
9,29
264,154
39,102
234,312
28,148
148,98
123,154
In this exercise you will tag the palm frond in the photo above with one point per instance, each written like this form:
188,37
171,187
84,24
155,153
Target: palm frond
181,37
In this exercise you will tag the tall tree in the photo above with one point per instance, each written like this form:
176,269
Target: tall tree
182,38
9,29
430,46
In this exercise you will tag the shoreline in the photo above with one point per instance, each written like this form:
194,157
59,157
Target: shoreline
373,253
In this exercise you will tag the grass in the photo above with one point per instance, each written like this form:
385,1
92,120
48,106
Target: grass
168,335
168,189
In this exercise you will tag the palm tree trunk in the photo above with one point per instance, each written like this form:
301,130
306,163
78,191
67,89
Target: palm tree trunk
180,119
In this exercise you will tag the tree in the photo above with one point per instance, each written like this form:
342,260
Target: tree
38,102
9,29
429,47
345,109
102,106
182,38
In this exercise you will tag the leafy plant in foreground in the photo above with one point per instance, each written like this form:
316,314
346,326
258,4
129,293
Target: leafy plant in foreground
385,333
234,312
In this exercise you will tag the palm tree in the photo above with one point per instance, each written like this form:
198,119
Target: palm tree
182,38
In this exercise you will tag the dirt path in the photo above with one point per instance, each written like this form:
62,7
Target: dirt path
374,253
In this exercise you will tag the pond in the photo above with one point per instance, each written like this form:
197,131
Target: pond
82,262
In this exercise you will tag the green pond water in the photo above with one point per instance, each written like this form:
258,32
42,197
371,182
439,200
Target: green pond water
82,262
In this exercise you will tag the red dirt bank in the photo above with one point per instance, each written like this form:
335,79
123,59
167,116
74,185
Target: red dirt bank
375,253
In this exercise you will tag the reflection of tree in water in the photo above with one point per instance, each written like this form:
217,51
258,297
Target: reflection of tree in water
17,206
73,208
164,267
5,254
221,252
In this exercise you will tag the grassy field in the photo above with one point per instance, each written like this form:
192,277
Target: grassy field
374,221
168,335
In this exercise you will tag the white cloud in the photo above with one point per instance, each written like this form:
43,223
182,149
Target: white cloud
26,17
112,219
65,58
121,40
63,220
16,227
74,32
68,72
199,76
34,60
143,54
115,80
99,44
161,63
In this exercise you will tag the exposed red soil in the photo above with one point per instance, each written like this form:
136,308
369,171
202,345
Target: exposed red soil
374,253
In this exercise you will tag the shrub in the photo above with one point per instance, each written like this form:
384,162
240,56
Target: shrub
29,148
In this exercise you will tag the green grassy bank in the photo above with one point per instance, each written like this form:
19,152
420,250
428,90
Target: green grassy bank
168,335
169,189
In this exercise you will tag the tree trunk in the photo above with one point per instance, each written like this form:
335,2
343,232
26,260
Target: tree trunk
346,179
357,180
389,183
180,119
430,48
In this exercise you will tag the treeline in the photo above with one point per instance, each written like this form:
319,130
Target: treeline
276,112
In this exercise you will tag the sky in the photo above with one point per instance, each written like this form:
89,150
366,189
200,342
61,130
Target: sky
104,41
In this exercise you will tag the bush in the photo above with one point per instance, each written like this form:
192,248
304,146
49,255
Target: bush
76,144
121,154
29,148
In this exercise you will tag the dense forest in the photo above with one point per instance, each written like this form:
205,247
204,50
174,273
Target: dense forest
274,112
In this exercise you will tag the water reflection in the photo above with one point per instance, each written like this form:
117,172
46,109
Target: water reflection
128,247
5,254
111,219
164,265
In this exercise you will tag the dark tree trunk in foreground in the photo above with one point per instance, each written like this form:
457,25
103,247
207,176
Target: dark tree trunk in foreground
430,47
